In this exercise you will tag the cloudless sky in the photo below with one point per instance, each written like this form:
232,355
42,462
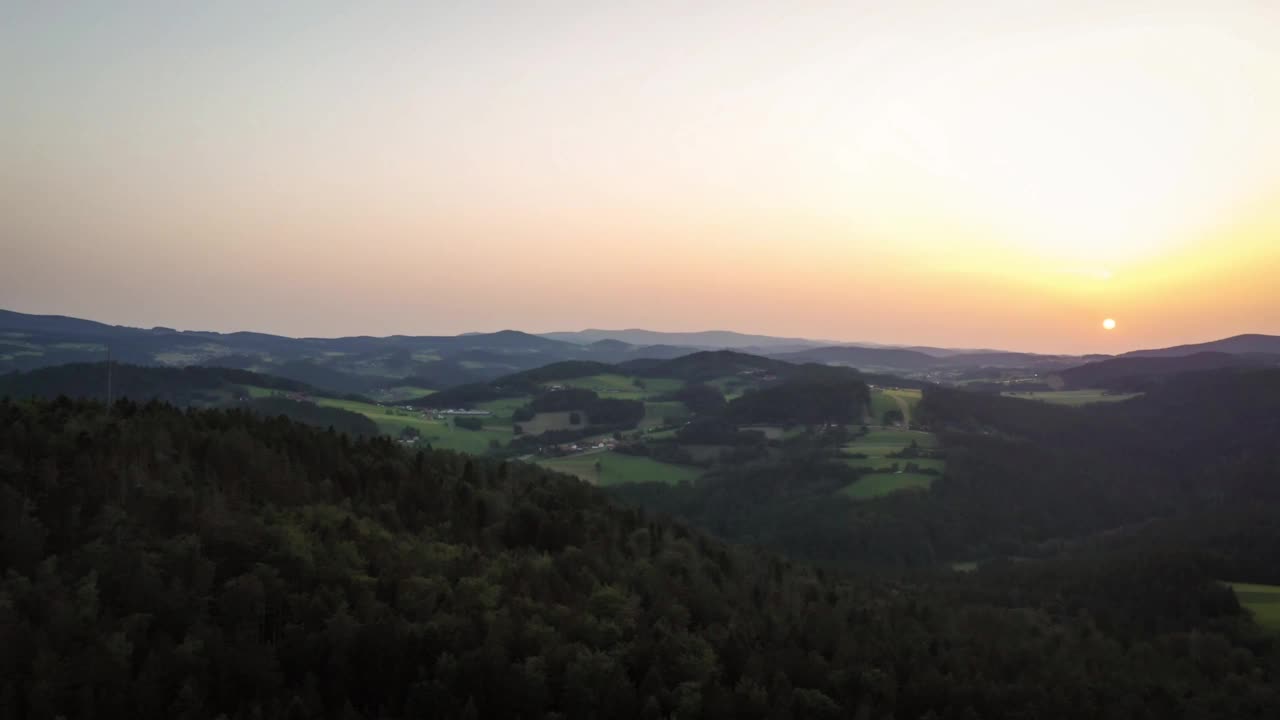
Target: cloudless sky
1000,174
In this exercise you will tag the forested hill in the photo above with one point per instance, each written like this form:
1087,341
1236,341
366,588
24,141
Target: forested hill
180,386
208,563
1139,372
1023,478
186,387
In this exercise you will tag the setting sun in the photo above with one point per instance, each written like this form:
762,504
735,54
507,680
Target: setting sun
1109,324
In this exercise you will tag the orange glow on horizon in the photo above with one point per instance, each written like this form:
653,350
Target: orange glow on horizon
978,176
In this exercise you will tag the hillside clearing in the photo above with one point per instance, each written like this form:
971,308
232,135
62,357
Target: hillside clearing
877,446
656,413
1261,600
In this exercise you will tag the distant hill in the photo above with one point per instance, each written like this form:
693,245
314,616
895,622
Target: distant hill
1133,373
180,386
697,367
707,340
184,387
362,364
916,360
1251,343
708,365
862,357
355,364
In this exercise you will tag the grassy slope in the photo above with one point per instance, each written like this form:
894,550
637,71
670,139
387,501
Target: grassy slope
440,433
908,396
886,399
502,409
1262,600
876,445
733,386
655,413
881,403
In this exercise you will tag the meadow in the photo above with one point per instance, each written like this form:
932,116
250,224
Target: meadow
392,421
907,398
656,413
1262,600
502,409
731,386
881,403
884,400
877,445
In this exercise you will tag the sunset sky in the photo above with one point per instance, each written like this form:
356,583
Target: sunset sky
995,174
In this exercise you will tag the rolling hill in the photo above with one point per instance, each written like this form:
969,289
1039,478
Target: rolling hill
705,340
1237,344
902,359
188,387
347,364
1133,373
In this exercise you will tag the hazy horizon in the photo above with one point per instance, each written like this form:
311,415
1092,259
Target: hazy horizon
659,330
922,174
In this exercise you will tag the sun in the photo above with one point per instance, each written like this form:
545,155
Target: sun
1109,324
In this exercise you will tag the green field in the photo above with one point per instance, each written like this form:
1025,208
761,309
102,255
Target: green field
883,400
1261,600
654,387
909,397
877,445
617,468
657,412
440,433
880,484
1073,398
502,409
733,386
881,403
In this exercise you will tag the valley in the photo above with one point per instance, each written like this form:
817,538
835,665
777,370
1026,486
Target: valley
854,490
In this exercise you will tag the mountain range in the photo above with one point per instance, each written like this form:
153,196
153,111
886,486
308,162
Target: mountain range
361,364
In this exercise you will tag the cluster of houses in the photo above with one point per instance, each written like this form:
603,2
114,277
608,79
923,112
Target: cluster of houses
585,446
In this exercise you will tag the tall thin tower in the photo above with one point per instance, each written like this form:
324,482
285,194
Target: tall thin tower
109,379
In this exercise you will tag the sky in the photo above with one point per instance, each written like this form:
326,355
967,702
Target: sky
995,174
